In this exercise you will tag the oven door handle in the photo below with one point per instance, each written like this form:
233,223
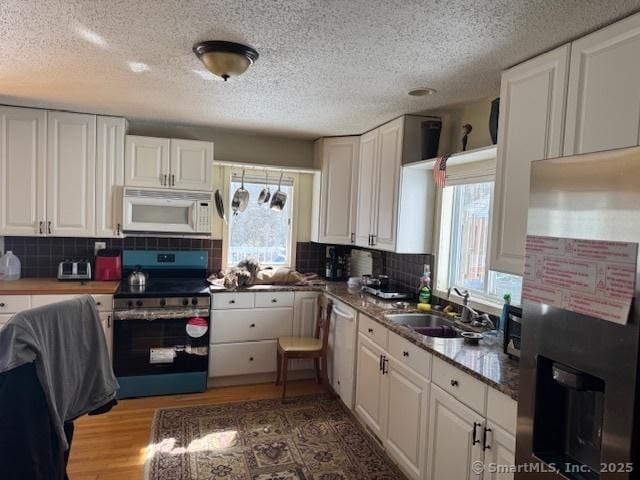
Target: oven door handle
150,316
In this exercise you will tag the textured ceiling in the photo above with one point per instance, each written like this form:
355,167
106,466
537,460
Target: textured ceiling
326,67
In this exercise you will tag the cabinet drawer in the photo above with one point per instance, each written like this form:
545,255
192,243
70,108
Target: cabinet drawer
14,303
461,385
242,358
275,299
409,354
103,301
373,331
228,301
502,410
250,325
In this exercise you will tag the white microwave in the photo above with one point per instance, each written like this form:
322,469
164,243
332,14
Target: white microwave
177,212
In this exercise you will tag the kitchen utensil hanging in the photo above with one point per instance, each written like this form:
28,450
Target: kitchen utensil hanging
220,205
279,198
240,199
265,194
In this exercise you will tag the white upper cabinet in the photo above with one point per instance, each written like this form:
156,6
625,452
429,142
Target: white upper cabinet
22,158
603,106
172,163
366,188
338,158
387,185
109,175
147,161
532,102
191,164
389,199
71,174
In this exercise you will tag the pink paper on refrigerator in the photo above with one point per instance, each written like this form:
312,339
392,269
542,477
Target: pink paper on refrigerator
589,277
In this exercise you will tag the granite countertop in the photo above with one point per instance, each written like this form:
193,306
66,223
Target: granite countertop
53,286
486,361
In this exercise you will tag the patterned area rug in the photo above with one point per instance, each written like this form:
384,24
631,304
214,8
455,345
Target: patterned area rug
311,437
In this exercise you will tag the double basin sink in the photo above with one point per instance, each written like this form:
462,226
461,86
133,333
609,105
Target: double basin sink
425,324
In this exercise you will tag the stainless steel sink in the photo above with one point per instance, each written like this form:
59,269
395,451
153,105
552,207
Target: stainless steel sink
419,319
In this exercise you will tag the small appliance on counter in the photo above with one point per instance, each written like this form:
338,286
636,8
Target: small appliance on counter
335,265
512,329
380,286
74,270
108,265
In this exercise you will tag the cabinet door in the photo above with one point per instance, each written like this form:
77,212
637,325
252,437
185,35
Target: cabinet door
500,448
339,160
603,105
146,161
109,176
366,187
191,165
371,387
532,101
4,319
71,174
22,157
452,451
408,409
106,318
387,185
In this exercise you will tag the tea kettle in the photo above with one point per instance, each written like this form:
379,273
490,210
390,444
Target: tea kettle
138,278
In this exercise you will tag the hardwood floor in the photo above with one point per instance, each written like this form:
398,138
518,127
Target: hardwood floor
113,446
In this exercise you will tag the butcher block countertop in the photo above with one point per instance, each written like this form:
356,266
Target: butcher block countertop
52,286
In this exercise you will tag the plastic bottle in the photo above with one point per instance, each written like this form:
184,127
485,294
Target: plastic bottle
424,295
505,311
9,267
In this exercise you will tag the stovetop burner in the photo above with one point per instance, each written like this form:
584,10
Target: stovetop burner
387,293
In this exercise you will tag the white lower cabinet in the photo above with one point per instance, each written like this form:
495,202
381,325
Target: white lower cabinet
455,439
392,399
408,404
242,358
371,386
4,319
499,453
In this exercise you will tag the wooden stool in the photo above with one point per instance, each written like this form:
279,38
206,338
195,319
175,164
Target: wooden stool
307,347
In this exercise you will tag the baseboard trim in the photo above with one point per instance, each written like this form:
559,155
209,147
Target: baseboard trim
269,377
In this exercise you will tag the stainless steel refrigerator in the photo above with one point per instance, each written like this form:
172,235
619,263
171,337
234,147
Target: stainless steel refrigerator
579,396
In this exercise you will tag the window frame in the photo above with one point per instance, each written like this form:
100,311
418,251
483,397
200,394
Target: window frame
477,301
226,192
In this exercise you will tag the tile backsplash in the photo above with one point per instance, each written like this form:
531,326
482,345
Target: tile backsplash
40,256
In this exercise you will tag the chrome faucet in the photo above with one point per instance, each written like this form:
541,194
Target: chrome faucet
468,313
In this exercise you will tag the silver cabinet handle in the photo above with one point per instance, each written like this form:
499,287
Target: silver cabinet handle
253,325
475,433
164,180
173,180
118,230
353,237
405,354
41,227
454,383
232,301
2,305
485,446
274,300
109,321
49,227
373,239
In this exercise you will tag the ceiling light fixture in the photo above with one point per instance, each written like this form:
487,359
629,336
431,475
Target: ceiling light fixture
422,92
225,59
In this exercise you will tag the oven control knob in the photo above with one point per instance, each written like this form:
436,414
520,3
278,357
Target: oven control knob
185,301
194,301
163,302
139,303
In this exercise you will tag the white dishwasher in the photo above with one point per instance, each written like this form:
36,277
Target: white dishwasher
342,351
